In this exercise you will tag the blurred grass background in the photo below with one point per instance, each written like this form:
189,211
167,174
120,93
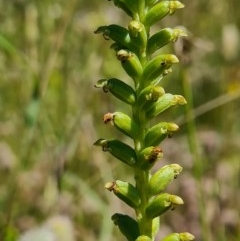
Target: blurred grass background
52,177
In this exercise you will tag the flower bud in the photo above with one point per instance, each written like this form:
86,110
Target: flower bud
149,95
160,10
163,37
159,132
179,237
117,33
149,156
161,203
164,103
130,63
119,89
158,66
172,237
162,178
125,191
143,238
122,122
138,34
127,225
118,149
186,236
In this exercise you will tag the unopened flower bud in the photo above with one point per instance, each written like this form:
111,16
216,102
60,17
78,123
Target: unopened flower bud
186,236
143,238
161,203
119,89
122,122
162,178
118,149
149,95
160,10
179,237
157,66
130,63
138,33
164,103
149,156
163,37
125,191
159,132
116,33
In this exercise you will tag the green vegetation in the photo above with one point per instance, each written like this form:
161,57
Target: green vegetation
50,115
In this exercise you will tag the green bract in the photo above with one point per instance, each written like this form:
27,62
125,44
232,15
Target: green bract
137,50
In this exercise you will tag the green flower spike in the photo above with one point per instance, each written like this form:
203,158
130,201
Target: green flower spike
138,52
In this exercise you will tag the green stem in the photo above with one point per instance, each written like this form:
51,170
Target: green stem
141,8
194,149
141,177
145,225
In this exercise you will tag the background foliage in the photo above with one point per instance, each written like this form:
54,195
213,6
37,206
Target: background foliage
51,176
